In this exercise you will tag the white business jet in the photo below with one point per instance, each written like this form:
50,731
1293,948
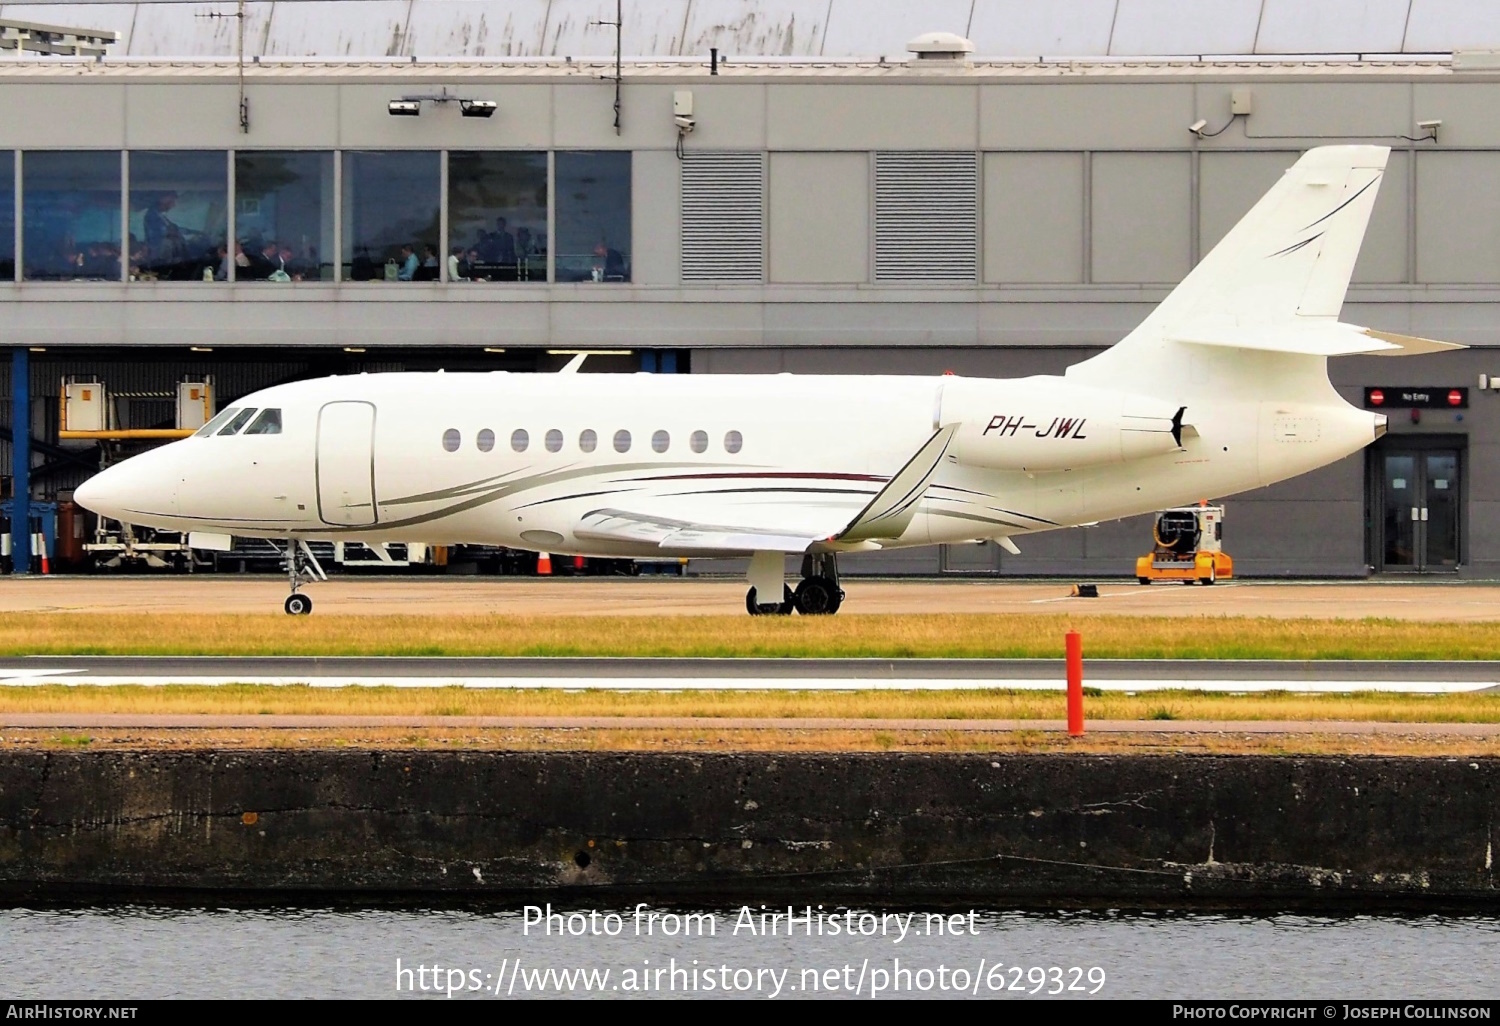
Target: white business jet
1223,388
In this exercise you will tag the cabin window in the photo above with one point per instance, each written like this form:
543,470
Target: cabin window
268,423
519,439
622,440
734,441
661,441
213,426
588,441
698,441
452,439
554,440
485,440
240,420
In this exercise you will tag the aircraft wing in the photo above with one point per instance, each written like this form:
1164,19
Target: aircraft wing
887,515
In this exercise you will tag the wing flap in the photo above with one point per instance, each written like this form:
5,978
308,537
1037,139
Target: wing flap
887,515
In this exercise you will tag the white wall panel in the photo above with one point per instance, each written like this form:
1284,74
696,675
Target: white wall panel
820,217
1059,116
1332,26
1140,217
1079,28
168,117
1174,27
871,28
1330,111
31,116
825,116
1033,217
654,258
1458,218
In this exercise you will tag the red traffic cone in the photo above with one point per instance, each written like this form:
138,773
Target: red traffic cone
544,564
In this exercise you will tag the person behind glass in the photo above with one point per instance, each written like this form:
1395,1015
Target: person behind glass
609,264
429,270
222,272
164,241
407,271
457,266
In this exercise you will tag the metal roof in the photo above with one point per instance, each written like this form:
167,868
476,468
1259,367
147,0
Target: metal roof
806,29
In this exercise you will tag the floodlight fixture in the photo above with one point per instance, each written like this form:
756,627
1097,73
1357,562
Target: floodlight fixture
477,108
404,108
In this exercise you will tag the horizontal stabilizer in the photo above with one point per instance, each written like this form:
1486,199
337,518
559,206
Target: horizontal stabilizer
1323,338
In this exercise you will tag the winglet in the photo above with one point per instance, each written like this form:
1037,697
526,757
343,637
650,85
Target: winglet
890,512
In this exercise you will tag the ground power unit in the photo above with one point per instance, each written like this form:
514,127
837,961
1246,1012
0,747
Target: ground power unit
1189,547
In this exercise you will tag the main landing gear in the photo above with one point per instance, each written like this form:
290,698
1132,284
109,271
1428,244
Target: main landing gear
818,594
301,567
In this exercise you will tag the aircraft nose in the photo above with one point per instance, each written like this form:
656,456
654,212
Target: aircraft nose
131,491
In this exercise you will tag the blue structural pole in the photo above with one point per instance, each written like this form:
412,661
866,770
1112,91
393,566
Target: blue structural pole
20,454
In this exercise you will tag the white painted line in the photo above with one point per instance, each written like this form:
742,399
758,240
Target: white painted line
42,677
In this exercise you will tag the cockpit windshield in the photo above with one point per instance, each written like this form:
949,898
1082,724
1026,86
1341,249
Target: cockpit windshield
213,426
268,423
240,420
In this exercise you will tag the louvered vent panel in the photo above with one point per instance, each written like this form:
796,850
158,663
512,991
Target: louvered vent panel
926,216
723,216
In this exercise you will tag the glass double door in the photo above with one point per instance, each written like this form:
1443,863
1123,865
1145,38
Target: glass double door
1420,508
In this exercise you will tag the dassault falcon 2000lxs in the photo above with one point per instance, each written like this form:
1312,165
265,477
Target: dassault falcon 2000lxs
1224,387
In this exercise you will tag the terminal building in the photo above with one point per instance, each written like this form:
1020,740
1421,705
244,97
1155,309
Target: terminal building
987,187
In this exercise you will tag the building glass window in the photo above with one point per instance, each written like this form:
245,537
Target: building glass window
593,216
283,216
71,215
497,216
391,211
7,215
178,215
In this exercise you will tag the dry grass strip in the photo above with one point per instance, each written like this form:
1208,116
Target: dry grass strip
970,635
267,700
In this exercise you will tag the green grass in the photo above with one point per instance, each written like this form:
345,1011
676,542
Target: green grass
877,636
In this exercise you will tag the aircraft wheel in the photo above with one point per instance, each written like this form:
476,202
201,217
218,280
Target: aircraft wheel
784,608
298,605
818,596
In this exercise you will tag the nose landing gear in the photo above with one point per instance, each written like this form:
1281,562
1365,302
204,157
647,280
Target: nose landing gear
301,566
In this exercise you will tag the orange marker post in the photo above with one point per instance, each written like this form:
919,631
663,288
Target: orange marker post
544,564
1075,684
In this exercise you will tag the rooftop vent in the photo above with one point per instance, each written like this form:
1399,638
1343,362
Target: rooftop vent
940,47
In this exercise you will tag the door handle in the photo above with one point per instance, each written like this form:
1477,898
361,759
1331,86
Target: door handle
1414,513
1424,514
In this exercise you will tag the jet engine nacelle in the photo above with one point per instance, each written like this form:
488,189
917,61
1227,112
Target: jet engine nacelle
1047,423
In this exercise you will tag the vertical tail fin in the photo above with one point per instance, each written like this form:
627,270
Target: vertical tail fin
1286,264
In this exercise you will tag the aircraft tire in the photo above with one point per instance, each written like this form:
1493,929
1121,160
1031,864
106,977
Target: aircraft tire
297,605
818,596
783,608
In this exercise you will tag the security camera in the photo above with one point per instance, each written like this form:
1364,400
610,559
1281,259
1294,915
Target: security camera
1198,126
684,125
1430,126
477,108
404,108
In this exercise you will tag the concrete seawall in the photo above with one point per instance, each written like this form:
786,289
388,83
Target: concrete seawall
1036,829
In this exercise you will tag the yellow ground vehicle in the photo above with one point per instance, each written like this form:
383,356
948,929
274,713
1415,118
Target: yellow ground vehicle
1189,542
